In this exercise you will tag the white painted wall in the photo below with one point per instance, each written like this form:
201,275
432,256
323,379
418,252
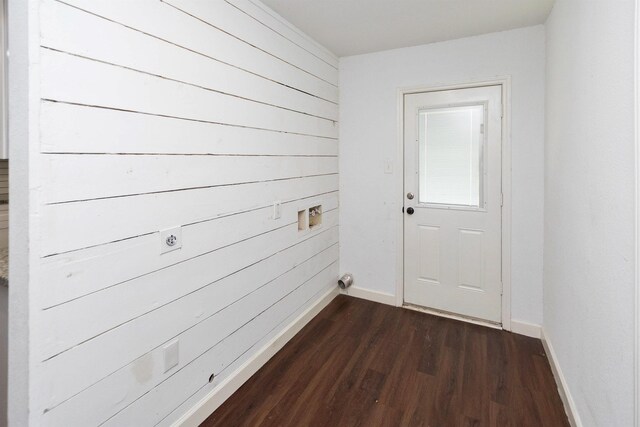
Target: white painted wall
23,150
589,205
369,198
201,117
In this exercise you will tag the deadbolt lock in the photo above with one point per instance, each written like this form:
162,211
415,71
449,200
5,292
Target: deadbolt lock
410,196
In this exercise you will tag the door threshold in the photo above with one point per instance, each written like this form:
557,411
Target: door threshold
453,316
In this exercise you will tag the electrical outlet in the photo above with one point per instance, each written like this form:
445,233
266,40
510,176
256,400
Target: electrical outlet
171,355
277,210
170,239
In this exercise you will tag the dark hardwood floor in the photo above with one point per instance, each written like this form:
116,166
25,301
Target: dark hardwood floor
360,363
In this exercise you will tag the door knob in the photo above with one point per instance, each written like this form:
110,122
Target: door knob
410,211
410,196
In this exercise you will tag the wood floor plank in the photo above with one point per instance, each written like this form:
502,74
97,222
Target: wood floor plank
475,377
360,363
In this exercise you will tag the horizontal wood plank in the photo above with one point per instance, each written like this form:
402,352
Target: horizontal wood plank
176,27
68,128
73,226
106,85
86,177
269,18
81,273
91,36
231,20
100,311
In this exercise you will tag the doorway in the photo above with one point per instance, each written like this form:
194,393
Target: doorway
453,200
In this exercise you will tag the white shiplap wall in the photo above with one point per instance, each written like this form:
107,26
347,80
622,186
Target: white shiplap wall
156,114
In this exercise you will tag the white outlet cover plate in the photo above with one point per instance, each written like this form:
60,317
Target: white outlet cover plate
171,355
277,209
165,234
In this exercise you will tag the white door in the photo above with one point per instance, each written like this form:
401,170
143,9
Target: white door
453,201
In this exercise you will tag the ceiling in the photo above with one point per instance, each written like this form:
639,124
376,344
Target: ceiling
352,27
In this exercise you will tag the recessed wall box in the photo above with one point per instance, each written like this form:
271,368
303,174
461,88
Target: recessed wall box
315,216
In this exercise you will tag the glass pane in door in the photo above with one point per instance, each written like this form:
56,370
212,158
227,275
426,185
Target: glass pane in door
451,155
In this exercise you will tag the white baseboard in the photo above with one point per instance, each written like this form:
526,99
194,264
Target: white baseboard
525,328
217,396
561,382
370,295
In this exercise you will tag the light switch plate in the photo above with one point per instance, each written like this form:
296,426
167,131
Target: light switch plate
171,353
388,166
170,239
277,210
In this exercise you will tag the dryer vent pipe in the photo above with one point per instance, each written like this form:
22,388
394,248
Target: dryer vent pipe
345,281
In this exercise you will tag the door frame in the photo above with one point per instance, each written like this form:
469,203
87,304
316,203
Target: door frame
505,82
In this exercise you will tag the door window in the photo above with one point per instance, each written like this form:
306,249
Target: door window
451,155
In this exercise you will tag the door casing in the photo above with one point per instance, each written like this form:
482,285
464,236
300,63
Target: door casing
505,82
